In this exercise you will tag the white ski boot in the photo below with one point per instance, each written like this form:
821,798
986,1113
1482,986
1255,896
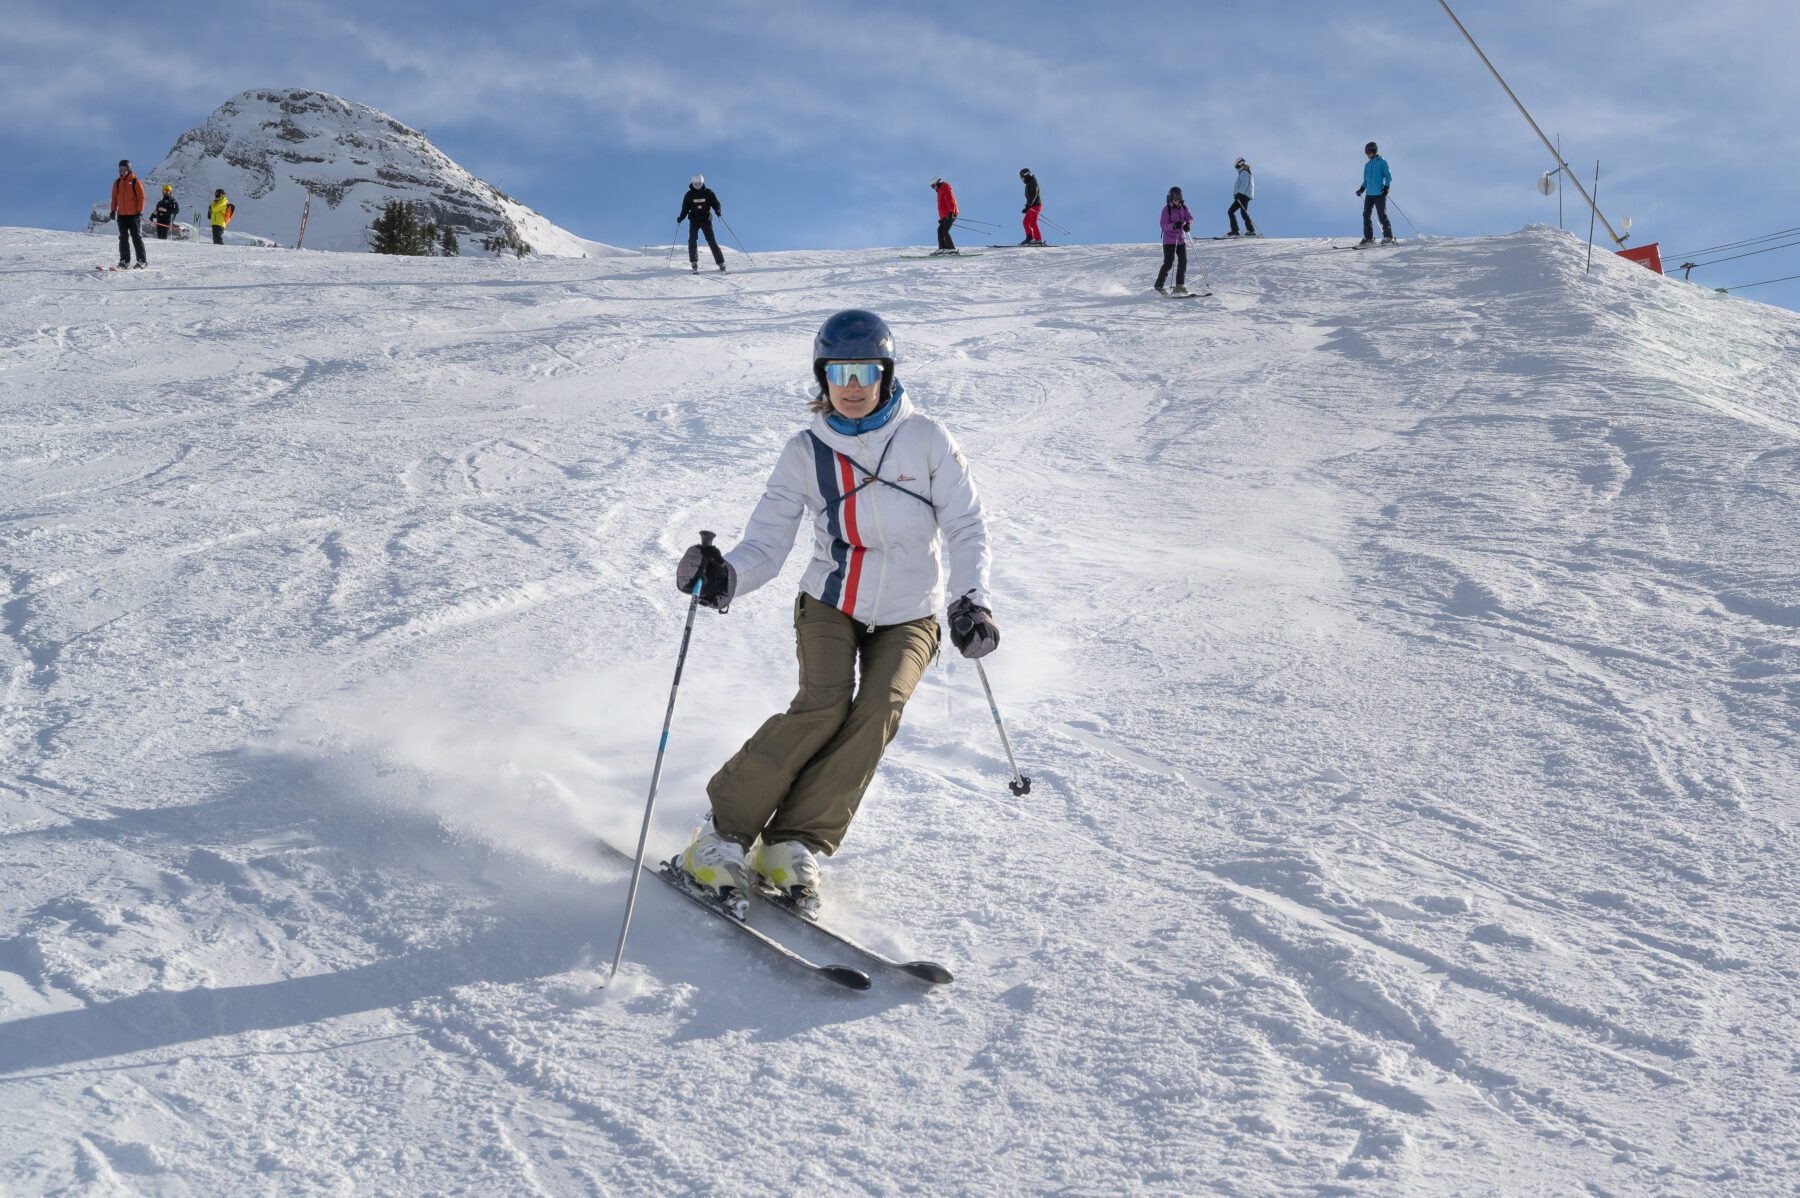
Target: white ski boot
789,867
694,266
1365,241
1180,289
716,865
1390,241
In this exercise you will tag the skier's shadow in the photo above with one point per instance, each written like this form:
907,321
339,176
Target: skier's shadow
520,924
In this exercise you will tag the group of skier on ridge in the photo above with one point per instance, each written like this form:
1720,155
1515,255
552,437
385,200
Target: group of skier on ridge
127,208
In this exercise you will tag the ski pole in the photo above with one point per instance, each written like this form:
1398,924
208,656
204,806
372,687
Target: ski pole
672,247
1054,225
1404,217
1020,784
740,244
637,869
969,220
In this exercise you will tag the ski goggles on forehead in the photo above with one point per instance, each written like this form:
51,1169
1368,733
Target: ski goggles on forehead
864,374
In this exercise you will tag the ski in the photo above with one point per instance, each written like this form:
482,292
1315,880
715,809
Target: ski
926,971
957,254
842,975
1017,245
1236,236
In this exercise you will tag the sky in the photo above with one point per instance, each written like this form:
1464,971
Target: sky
820,123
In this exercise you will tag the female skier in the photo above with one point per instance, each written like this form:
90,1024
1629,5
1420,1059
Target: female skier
1176,221
881,482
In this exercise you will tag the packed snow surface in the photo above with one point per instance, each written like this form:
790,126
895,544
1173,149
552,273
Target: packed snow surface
1404,646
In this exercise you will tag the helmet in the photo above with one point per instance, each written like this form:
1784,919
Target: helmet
167,189
1024,172
218,191
124,162
851,335
1174,191
936,182
697,181
1240,164
1371,149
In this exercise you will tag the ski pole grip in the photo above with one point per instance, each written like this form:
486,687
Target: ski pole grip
706,538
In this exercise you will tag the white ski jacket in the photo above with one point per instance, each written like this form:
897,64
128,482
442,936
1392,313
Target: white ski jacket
878,504
1246,185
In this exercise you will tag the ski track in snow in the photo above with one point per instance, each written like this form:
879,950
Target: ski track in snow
1405,649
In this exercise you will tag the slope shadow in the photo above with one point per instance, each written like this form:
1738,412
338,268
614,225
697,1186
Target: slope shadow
513,920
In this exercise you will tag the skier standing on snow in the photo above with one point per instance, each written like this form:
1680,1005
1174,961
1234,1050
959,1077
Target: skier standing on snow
128,210
881,483
1377,182
697,208
1240,201
164,217
1176,221
947,215
220,215
1034,203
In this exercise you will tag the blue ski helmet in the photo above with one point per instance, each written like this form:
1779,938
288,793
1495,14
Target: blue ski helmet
851,335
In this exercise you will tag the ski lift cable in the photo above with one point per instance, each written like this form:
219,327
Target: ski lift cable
1732,245
1768,249
1764,283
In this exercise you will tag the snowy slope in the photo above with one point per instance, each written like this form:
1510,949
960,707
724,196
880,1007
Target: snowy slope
1405,646
270,148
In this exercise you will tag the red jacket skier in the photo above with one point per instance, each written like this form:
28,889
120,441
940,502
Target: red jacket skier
946,216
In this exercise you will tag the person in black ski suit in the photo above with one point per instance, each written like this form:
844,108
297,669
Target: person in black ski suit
697,208
163,219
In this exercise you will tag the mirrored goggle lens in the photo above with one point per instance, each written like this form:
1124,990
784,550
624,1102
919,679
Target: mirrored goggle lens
842,374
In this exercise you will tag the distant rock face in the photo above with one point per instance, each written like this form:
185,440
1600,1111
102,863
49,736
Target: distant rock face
270,148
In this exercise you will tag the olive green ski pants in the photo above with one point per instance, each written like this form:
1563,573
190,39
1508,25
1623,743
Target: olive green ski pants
803,774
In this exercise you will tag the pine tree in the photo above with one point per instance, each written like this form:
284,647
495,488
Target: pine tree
399,230
451,248
507,239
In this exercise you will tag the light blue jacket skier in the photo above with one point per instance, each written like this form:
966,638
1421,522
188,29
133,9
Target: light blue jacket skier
1376,176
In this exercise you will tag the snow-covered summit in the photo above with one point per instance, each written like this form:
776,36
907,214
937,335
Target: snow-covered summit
269,147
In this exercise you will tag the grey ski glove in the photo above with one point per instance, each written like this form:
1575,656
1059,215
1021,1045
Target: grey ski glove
972,629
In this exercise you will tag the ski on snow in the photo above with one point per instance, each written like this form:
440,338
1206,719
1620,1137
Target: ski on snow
842,975
925,971
854,979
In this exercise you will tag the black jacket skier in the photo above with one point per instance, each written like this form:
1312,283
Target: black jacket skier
163,218
697,208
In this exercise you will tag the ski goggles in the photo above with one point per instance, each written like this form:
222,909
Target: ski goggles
864,374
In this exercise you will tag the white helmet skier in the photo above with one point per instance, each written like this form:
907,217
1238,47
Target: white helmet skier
879,482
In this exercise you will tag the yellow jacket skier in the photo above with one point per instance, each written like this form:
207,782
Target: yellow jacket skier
220,214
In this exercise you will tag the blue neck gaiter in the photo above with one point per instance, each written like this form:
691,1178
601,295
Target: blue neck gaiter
867,424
